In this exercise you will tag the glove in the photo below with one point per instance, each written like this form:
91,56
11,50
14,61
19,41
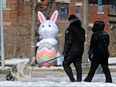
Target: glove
90,58
90,55
90,52
64,53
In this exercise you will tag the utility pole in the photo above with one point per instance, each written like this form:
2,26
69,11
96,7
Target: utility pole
2,35
85,25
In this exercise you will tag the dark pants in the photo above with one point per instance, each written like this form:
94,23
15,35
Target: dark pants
94,64
76,59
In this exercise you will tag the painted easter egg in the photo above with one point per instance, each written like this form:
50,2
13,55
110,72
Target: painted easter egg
46,52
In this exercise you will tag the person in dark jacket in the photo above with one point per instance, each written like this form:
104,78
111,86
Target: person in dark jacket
99,49
74,48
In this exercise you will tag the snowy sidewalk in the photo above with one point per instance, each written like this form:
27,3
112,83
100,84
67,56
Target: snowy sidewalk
56,77
57,81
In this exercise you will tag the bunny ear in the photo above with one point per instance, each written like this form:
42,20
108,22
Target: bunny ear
54,16
41,17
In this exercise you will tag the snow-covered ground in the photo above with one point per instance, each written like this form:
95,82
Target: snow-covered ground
55,80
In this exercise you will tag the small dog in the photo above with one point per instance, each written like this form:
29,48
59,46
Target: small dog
21,69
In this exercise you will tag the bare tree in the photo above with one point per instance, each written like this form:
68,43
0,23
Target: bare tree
49,6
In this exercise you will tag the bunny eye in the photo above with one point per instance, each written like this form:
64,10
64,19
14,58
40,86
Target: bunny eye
42,25
49,25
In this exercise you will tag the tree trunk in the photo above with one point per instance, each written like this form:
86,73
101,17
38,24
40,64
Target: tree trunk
33,28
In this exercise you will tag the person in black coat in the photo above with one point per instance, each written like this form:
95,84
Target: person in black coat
99,49
74,48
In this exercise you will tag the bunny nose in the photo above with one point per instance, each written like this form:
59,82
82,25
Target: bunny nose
46,31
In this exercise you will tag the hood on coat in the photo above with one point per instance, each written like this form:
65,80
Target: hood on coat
98,26
74,21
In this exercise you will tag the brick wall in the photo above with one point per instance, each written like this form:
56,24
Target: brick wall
93,15
72,7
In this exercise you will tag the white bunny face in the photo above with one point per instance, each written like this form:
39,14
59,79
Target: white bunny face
48,28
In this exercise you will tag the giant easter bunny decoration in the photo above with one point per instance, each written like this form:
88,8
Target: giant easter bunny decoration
48,30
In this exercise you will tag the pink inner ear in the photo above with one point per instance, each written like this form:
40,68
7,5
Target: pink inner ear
41,17
54,16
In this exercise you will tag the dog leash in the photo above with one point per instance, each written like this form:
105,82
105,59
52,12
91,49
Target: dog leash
53,58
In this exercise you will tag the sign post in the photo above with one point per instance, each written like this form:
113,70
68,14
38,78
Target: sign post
2,35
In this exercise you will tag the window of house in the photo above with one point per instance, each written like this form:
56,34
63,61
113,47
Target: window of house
100,7
63,10
78,11
114,5
4,4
